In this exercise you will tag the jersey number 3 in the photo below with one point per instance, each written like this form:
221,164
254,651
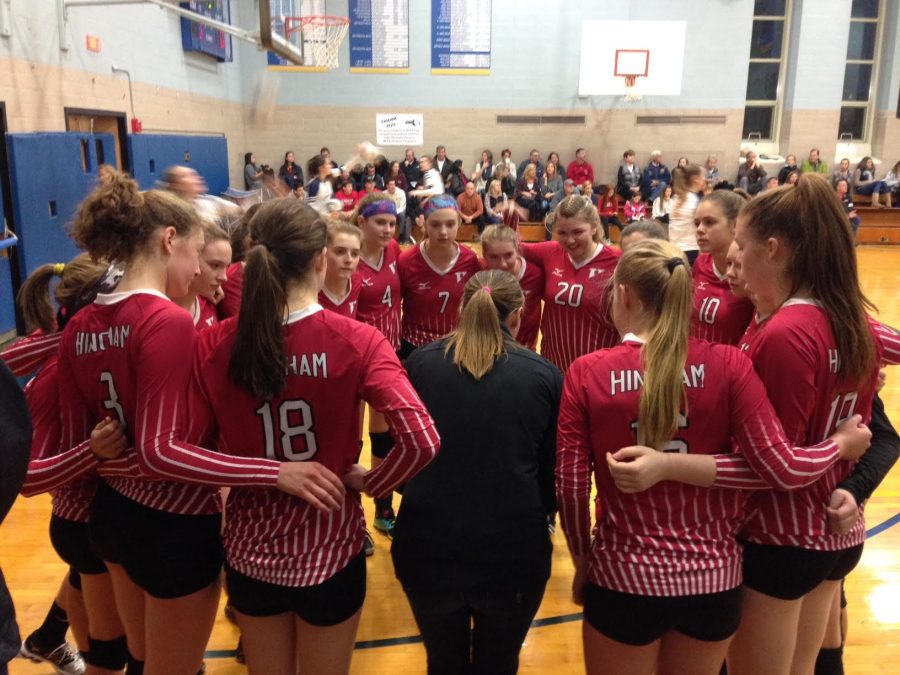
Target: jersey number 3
287,430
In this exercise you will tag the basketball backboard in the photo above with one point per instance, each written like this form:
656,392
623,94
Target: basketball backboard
294,39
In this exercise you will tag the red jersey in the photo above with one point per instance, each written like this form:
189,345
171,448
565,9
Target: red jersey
129,355
204,314
431,297
348,202
70,477
380,293
333,364
345,306
718,316
797,359
232,288
26,355
531,280
673,539
576,317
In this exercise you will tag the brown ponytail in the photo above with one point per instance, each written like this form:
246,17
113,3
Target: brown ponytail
115,221
489,298
287,236
76,277
659,275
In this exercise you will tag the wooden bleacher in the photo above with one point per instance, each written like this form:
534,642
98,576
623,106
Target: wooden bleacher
878,225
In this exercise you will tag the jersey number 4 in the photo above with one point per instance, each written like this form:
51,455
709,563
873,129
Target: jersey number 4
287,430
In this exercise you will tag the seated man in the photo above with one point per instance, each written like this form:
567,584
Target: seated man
580,169
656,177
442,163
471,207
568,189
751,175
534,157
814,164
790,164
628,178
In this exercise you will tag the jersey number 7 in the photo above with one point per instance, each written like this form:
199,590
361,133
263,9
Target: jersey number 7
288,431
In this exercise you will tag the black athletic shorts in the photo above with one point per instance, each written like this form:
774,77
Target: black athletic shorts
406,348
789,573
72,543
331,602
641,619
169,555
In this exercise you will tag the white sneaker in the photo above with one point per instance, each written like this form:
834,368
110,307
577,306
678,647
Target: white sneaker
65,659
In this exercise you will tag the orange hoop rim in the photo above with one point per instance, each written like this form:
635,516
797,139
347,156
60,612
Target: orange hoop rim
295,23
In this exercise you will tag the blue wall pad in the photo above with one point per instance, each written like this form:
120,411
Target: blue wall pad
152,153
50,174
7,302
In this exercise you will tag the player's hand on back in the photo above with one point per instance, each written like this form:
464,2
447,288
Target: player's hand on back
314,483
107,439
842,512
353,479
636,468
853,437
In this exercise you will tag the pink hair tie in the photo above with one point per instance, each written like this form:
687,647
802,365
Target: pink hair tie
486,289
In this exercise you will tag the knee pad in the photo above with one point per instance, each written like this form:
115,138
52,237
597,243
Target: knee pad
830,662
107,654
74,579
135,667
382,442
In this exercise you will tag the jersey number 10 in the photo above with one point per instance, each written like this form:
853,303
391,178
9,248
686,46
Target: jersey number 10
288,431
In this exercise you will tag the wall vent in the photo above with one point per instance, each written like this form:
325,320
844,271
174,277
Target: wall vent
681,119
540,119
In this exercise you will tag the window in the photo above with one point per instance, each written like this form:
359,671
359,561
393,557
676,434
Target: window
765,76
859,71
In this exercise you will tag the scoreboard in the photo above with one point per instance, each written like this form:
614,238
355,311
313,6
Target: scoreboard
203,39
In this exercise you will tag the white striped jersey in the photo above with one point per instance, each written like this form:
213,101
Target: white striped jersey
717,316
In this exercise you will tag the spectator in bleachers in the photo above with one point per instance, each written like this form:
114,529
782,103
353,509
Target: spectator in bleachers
751,175
410,168
431,183
534,157
640,230
369,186
790,164
371,173
395,173
393,191
483,171
442,163
560,168
628,177
712,172
892,180
792,177
495,203
347,196
528,193
299,192
656,177
568,189
865,183
471,207
771,183
551,185
325,152
507,183
662,206
635,209
506,160
842,172
290,172
842,190
608,208
358,175
253,174
587,190
682,162
580,170
814,164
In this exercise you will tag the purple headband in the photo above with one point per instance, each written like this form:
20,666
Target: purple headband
380,207
443,201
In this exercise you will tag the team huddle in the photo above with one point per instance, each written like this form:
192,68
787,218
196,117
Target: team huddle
717,408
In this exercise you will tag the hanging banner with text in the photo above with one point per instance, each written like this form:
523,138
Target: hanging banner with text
399,129
460,37
379,36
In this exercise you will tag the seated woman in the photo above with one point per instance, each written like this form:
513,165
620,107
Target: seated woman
864,183
662,205
608,208
528,193
892,180
842,172
470,544
842,189
635,209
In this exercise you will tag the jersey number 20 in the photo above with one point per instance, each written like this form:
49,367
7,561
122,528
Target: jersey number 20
287,431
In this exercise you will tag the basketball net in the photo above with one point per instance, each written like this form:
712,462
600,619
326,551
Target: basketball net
630,94
322,34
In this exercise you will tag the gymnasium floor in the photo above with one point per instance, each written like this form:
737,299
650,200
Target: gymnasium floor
387,634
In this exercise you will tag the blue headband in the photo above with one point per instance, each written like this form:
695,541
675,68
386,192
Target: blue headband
437,202
379,207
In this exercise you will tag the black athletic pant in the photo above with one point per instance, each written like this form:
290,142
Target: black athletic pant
491,623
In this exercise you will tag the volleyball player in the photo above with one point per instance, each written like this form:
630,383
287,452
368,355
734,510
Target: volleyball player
818,357
234,273
660,579
499,245
155,518
379,305
433,274
290,389
577,268
340,289
87,592
718,314
215,259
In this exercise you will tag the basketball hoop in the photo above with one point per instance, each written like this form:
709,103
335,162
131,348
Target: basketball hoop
632,64
322,33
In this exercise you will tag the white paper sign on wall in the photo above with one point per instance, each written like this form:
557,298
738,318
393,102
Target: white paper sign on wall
399,129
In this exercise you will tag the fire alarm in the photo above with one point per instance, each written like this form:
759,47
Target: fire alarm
136,126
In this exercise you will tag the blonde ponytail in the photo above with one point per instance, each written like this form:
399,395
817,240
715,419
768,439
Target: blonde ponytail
478,341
